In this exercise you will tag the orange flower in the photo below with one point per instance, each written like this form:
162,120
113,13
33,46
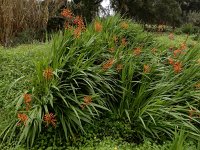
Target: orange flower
137,51
48,73
177,52
177,67
68,26
87,100
98,27
183,46
171,36
124,42
108,64
80,26
77,33
119,67
50,119
27,98
171,61
146,68
76,20
112,49
22,118
79,22
66,13
124,25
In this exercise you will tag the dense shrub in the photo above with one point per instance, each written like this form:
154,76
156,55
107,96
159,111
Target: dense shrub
190,29
187,28
194,18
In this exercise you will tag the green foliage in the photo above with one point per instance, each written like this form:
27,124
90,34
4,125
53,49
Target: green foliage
27,37
194,18
147,95
16,63
188,28
178,141
80,79
150,11
77,73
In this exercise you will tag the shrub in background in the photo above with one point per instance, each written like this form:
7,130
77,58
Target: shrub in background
188,28
194,18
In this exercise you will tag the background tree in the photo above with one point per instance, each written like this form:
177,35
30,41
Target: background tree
154,11
86,8
168,12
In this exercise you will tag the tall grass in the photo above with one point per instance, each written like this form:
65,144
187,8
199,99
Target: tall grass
18,16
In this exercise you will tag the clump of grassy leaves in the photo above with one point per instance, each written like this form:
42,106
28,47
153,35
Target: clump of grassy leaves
120,69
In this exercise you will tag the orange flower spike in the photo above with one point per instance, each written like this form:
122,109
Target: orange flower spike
67,13
146,68
108,64
137,51
23,118
183,46
48,73
27,98
119,67
171,61
124,42
177,52
77,33
177,67
171,36
124,25
97,26
79,22
87,100
68,26
50,119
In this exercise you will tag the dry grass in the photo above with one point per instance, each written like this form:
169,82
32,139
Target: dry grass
21,15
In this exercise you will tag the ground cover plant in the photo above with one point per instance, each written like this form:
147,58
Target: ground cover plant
109,67
16,63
